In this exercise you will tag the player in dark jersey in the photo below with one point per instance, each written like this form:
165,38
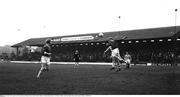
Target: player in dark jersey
116,58
76,58
45,58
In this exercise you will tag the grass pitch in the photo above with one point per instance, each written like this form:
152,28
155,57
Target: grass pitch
18,78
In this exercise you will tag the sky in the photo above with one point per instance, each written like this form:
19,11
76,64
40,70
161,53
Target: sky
24,19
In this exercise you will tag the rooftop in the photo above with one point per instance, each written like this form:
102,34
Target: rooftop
152,33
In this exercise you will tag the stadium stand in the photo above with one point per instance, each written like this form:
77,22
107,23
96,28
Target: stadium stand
154,45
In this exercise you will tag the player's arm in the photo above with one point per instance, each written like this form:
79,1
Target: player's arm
47,53
121,58
45,50
109,48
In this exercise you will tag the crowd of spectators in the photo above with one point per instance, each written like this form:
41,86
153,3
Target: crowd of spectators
95,54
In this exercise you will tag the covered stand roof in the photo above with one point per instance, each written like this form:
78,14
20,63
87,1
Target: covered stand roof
152,33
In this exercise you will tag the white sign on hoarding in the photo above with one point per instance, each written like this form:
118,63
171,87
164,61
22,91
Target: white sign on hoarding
58,39
77,38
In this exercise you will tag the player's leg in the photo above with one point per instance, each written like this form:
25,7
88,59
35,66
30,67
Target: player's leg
47,63
117,59
75,64
129,63
47,67
41,70
113,63
118,66
44,65
113,59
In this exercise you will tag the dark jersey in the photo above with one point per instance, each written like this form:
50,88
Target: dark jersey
113,44
46,48
76,56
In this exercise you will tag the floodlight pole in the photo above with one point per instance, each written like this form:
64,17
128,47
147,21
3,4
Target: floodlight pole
175,40
119,17
175,16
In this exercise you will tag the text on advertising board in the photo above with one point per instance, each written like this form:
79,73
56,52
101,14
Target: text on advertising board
77,38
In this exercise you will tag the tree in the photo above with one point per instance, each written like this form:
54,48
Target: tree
13,56
5,56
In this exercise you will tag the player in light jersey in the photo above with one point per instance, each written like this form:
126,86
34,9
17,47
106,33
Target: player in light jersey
45,58
127,58
115,55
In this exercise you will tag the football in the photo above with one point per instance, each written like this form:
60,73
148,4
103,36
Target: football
101,34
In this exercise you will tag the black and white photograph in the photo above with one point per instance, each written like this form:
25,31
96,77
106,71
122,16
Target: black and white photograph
89,47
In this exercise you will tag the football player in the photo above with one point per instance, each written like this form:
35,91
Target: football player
115,55
127,58
45,58
76,58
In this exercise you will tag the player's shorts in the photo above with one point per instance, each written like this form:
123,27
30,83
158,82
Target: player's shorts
115,52
128,61
45,60
76,60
